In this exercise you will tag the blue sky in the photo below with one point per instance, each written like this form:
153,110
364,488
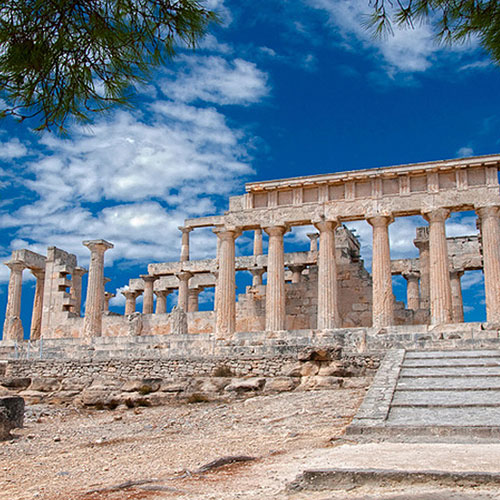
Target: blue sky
280,89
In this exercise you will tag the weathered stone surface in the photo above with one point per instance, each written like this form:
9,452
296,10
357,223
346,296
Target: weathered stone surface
11,414
15,382
281,384
44,384
309,368
240,386
318,382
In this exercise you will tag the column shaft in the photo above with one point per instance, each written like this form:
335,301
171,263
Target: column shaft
328,310
193,294
275,289
490,236
76,289
412,291
130,298
94,307
148,298
457,304
12,329
225,315
36,316
383,298
257,242
182,301
185,243
257,275
439,268
161,301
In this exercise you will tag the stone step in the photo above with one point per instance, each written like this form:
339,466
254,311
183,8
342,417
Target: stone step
443,398
484,416
450,371
457,353
459,361
432,383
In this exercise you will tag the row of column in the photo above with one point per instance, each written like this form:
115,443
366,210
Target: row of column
445,299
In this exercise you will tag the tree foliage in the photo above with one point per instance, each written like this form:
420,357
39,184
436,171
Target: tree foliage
455,21
70,58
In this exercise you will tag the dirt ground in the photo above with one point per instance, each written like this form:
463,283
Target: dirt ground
159,453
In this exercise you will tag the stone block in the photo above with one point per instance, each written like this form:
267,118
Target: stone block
44,384
17,383
318,382
309,368
11,414
281,384
240,386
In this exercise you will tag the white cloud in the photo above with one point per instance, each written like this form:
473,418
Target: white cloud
215,80
406,51
12,149
465,151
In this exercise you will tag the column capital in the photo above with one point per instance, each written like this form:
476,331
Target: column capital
313,236
97,245
278,230
456,273
79,271
184,275
488,211
185,229
380,220
39,274
326,225
130,294
16,265
227,233
436,215
148,278
163,293
296,267
411,275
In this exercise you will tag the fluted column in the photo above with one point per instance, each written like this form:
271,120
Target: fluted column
13,329
422,243
313,244
275,289
148,298
130,299
257,273
36,315
490,237
161,301
193,294
257,242
107,297
225,293
328,309
383,298
457,303
296,272
439,269
76,289
94,306
185,242
412,291
182,300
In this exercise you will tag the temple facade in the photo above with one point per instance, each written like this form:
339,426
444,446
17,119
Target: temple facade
322,289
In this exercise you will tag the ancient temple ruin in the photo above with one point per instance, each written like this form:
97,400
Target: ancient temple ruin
319,290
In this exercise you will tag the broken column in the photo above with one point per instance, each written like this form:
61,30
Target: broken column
422,243
313,244
76,289
257,273
36,315
13,328
383,298
457,304
107,297
296,270
94,306
412,291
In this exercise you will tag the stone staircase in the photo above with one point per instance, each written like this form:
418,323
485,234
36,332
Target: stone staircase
444,395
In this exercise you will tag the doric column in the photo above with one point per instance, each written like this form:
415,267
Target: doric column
107,297
36,315
185,242
275,289
94,306
13,329
182,300
257,242
490,236
313,245
296,272
422,243
130,298
257,273
457,303
383,298
225,293
328,309
412,291
193,299
161,301
148,298
439,269
76,289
